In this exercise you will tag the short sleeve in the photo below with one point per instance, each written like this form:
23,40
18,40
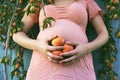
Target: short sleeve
93,9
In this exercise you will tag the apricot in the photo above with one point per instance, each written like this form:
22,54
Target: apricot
20,2
1,39
114,77
58,41
112,46
116,1
111,65
11,34
14,24
19,29
102,75
32,8
118,35
112,8
7,60
113,59
16,14
68,47
51,1
4,14
17,66
115,17
16,73
18,55
56,52
31,1
108,6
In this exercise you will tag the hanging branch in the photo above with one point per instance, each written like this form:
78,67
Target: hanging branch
7,43
47,21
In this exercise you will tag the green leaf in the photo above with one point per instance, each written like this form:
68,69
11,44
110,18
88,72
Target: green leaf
44,25
51,18
12,75
14,61
49,22
28,10
13,72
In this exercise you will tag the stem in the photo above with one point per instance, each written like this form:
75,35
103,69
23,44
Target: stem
43,8
7,44
8,32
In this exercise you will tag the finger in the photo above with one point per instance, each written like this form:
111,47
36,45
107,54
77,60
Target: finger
55,61
70,53
51,48
68,63
49,58
67,60
54,57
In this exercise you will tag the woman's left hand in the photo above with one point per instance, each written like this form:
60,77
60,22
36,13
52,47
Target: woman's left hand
73,55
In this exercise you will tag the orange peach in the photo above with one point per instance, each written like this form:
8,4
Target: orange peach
56,52
58,41
68,47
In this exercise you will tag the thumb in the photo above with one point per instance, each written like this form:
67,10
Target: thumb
51,48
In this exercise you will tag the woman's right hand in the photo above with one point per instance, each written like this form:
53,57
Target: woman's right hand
44,47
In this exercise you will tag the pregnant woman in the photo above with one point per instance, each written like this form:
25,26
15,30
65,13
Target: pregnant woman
71,18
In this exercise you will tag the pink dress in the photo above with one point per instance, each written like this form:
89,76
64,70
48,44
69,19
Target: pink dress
71,22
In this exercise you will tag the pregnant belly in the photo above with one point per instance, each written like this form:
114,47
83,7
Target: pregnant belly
67,29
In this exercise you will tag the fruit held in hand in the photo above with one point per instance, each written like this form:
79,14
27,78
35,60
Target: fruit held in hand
58,41
67,47
56,52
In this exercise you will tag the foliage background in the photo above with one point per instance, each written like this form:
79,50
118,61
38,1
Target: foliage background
97,55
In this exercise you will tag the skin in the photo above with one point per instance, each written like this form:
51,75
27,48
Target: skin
42,45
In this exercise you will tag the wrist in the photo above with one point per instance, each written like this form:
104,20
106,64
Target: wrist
36,45
87,47
90,47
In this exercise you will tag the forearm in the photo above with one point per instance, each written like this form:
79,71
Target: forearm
102,32
101,39
23,40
